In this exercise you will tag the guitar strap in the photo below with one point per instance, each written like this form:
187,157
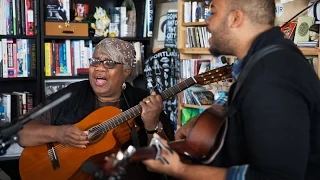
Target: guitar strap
134,133
254,59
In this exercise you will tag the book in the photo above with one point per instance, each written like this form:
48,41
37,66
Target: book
203,97
302,33
171,29
55,11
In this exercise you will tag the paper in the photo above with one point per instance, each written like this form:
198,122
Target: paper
14,150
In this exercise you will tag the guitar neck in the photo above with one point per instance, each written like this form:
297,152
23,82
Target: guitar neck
137,109
211,76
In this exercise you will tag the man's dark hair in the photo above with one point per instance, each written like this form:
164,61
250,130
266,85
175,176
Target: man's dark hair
258,11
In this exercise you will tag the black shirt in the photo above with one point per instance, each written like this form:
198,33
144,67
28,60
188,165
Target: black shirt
275,133
83,102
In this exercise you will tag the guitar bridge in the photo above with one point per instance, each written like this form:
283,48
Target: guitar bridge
53,156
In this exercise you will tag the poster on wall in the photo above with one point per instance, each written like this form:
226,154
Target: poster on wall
170,40
162,71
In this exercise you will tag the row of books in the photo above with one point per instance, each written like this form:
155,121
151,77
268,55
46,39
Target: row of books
66,57
17,58
18,17
193,67
196,11
63,58
14,105
197,37
198,96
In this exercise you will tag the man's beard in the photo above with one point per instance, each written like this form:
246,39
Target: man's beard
220,46
220,42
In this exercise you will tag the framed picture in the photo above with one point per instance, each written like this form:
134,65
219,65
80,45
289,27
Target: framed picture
81,11
52,86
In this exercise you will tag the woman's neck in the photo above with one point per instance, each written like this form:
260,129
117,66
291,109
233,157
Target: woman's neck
114,98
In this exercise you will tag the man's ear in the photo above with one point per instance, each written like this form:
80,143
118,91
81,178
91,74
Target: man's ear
236,18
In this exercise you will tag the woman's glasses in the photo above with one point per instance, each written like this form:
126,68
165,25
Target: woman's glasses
108,63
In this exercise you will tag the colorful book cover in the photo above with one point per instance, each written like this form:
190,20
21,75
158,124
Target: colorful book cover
171,29
288,29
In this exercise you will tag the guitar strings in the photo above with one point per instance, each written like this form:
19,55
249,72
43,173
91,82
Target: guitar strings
101,128
97,130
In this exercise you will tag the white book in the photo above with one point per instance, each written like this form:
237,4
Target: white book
194,8
5,116
68,57
90,49
123,22
5,59
76,55
25,57
186,12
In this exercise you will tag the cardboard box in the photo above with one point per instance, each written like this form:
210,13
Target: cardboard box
285,11
66,29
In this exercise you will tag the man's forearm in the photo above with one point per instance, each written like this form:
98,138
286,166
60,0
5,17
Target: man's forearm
200,172
35,133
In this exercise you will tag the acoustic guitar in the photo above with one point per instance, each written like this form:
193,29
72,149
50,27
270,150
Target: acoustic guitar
201,146
107,131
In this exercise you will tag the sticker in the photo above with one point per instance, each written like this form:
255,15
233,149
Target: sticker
279,9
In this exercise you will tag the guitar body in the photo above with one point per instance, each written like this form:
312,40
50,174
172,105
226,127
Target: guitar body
202,144
35,161
107,131
205,139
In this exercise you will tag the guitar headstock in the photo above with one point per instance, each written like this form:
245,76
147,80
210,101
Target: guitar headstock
214,75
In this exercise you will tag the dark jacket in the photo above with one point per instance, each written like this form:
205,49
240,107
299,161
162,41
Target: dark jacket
275,133
83,102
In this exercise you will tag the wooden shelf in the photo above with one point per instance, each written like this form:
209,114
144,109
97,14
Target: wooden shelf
204,51
195,106
67,37
18,79
66,77
95,39
314,51
17,37
194,24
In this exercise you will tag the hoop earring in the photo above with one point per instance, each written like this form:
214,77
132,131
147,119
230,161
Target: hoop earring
124,86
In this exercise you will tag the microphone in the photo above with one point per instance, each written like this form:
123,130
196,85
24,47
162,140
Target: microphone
9,135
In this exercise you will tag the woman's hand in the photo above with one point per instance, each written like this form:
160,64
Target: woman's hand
71,135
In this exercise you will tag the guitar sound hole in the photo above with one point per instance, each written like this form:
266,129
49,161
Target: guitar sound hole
94,136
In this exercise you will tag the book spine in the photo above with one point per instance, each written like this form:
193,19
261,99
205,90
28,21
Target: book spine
48,58
57,58
33,54
5,58
15,61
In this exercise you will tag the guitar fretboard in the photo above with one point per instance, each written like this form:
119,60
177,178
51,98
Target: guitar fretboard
137,109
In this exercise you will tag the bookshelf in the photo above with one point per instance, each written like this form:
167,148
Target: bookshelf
26,80
145,41
190,53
